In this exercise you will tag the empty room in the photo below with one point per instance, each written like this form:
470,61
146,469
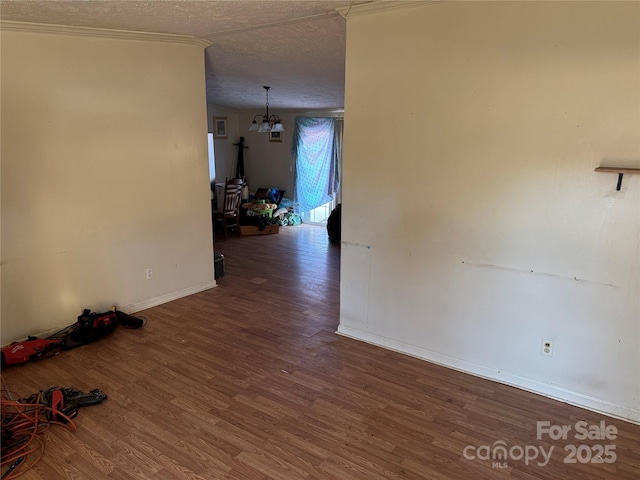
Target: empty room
477,316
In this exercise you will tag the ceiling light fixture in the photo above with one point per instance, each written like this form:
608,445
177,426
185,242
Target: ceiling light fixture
269,123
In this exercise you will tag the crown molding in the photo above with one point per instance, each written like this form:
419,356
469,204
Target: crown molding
101,33
380,6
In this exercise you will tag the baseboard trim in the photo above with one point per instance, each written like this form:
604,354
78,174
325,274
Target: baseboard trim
168,297
551,391
136,307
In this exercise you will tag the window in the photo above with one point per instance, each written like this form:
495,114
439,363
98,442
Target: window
317,148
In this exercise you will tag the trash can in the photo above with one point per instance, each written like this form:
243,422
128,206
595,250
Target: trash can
218,265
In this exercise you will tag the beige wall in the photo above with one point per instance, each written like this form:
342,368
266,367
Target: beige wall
226,154
491,231
269,164
104,174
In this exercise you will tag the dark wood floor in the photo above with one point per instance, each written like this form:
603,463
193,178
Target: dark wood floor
249,381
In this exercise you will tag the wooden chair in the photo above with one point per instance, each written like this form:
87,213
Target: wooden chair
230,214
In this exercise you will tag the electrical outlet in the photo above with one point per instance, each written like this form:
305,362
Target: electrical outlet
547,347
149,273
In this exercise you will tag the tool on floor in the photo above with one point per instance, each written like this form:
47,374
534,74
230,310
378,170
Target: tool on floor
68,400
32,349
91,326
24,421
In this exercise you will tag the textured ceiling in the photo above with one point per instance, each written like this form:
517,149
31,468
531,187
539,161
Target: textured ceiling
296,47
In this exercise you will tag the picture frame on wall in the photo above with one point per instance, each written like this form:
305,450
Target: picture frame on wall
220,127
275,136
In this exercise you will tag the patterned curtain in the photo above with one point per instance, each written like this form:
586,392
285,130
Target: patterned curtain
315,147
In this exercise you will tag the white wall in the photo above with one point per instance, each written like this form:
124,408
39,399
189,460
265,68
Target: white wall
104,174
491,231
225,152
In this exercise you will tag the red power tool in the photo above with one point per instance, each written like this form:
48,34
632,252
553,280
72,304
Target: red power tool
90,327
32,349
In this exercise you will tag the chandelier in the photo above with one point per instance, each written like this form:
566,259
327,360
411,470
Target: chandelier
268,123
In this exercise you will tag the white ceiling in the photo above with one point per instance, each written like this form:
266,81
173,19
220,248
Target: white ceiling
297,47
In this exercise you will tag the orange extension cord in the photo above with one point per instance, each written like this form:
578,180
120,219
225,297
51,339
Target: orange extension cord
23,423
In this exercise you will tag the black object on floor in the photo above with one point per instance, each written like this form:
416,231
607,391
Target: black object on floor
334,224
218,263
129,321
